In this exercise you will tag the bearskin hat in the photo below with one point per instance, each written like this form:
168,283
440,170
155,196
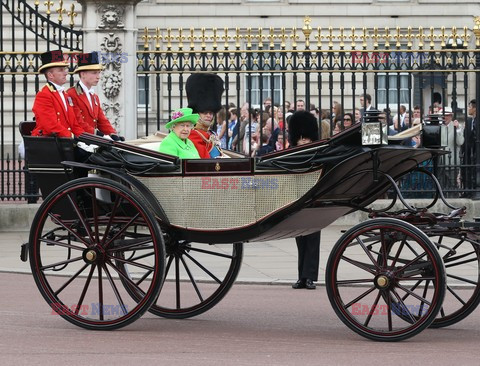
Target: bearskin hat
302,124
204,92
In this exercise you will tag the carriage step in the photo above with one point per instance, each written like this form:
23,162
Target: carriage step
24,252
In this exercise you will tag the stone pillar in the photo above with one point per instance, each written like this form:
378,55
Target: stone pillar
110,28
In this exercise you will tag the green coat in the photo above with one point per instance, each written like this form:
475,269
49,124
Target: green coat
174,145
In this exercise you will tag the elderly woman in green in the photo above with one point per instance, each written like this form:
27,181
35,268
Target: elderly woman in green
177,142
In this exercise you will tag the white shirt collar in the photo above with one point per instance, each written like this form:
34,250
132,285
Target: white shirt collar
58,87
85,89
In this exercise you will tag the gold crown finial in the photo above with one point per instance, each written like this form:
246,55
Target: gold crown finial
476,30
307,30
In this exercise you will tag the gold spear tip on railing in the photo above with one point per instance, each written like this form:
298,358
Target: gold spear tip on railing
60,10
72,14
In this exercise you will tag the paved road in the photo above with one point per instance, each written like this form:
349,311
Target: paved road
253,325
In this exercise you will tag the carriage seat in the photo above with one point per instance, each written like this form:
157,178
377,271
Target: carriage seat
44,156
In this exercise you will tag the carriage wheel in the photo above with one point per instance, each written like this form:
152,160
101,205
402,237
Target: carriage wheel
373,294
461,257
75,241
197,277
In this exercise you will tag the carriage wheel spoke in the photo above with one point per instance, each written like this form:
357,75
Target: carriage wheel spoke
418,297
367,252
123,275
85,288
136,244
203,268
361,265
95,217
192,280
462,279
57,221
100,292
113,212
397,255
146,255
411,289
372,310
416,259
130,261
144,277
404,307
76,259
121,231
169,263
448,262
61,244
389,313
115,289
80,216
211,253
456,295
349,282
383,248
61,288
177,282
359,297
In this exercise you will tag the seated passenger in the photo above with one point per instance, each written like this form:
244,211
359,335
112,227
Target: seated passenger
177,142
204,93
52,107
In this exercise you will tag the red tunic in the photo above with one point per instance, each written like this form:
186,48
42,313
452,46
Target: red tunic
51,116
201,140
91,118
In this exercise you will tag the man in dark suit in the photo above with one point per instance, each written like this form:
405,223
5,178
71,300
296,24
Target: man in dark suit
366,103
469,173
52,107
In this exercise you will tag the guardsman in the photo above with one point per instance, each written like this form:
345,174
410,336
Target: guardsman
86,102
52,107
204,94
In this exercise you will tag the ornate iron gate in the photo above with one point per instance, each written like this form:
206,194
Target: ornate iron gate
26,33
400,66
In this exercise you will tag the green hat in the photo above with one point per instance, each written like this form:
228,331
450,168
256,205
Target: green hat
183,115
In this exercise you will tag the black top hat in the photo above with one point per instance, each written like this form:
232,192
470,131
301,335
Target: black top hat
302,124
52,59
88,61
204,92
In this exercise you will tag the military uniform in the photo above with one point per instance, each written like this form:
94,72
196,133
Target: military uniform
92,117
52,117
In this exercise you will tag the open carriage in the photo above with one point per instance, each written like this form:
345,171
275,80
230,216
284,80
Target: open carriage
147,231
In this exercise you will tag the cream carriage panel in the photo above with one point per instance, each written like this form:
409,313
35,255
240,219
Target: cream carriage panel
226,202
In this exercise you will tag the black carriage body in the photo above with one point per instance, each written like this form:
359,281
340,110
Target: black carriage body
285,194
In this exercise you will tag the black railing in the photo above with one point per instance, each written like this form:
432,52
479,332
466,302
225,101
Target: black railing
402,67
31,33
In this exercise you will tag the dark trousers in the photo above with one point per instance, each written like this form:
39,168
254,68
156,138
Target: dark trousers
308,256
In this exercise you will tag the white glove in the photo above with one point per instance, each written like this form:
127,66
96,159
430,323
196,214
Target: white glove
88,148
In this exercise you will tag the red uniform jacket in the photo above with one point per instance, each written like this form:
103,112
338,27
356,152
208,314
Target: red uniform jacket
51,116
91,119
202,142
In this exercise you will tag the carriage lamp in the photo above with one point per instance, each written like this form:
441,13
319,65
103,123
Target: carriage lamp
434,132
374,128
